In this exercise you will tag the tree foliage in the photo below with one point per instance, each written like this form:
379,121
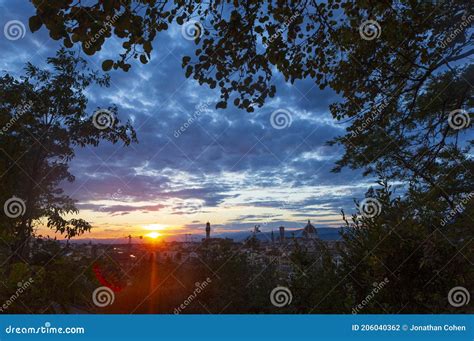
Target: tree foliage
420,259
45,118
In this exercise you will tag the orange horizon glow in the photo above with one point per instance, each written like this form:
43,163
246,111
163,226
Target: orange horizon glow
155,227
153,235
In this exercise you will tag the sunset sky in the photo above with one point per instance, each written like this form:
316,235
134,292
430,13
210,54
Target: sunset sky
229,167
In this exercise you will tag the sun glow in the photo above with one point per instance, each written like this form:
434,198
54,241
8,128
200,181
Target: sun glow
153,235
155,227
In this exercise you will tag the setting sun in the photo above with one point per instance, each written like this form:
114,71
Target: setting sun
153,235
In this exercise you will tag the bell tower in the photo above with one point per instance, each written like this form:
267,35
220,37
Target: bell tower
282,234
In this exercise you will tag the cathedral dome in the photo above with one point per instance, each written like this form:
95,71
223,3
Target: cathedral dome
309,230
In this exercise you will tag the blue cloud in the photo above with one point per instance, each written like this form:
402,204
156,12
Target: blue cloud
159,100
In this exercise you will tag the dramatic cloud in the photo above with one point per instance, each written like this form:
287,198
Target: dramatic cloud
192,160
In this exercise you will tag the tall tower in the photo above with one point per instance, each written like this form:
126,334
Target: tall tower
208,230
282,234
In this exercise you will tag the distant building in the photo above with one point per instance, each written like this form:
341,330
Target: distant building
208,230
282,233
209,241
309,231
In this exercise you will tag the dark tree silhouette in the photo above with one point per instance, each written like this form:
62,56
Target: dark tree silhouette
44,118
418,259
